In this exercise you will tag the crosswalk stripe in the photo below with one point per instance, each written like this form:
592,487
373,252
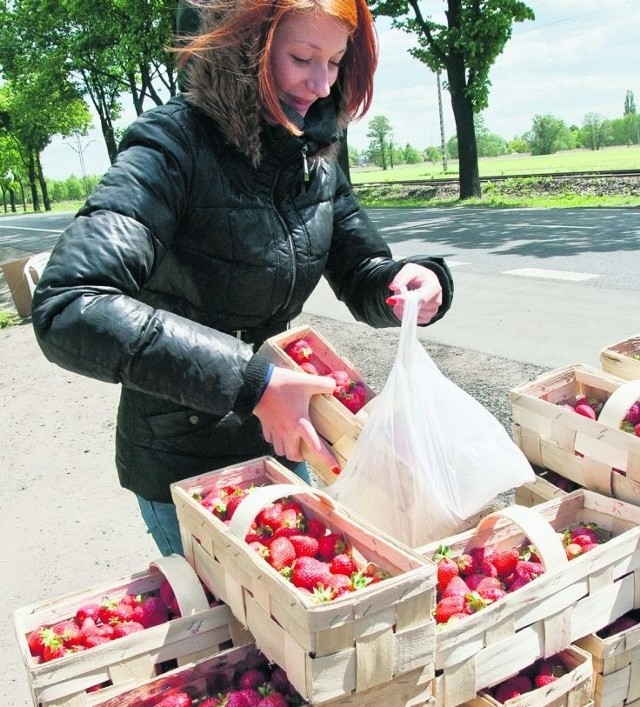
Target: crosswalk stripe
552,274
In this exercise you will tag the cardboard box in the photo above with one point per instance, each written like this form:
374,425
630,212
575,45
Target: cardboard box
18,286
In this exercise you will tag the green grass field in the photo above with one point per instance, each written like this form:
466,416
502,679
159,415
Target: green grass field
609,158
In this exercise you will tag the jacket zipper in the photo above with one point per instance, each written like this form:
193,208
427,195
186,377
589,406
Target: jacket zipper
292,251
305,164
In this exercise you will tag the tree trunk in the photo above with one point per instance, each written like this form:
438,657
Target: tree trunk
43,184
33,182
12,200
469,178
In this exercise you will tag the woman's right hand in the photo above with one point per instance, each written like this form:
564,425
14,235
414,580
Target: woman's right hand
283,411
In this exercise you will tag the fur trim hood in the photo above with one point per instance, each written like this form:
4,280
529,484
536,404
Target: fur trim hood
223,85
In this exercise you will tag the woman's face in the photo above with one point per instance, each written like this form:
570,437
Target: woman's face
305,58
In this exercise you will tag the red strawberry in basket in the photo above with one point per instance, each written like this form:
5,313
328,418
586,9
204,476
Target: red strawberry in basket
126,628
274,699
349,392
331,545
505,561
282,553
69,632
308,572
586,410
300,351
549,670
447,567
512,688
178,699
37,638
151,611
304,545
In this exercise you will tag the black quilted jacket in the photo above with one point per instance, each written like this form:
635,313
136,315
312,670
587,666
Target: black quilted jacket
185,241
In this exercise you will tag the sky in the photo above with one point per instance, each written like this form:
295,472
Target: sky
577,57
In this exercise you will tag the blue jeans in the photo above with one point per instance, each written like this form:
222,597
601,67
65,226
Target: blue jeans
162,524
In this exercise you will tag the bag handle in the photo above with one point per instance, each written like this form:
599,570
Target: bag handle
259,497
184,581
540,532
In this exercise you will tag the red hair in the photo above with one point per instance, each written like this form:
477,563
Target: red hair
244,20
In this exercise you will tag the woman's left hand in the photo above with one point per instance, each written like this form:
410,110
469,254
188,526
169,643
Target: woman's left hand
416,277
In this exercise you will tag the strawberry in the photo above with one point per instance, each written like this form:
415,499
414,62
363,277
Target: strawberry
273,699
467,564
447,567
316,528
126,628
448,607
304,545
308,572
633,414
37,638
343,564
178,699
151,611
69,631
487,586
513,687
300,351
339,584
349,392
260,548
583,535
505,561
279,681
573,550
548,670
456,587
53,647
623,623
112,611
91,610
526,568
243,698
253,679
270,516
95,639
331,545
282,553
586,410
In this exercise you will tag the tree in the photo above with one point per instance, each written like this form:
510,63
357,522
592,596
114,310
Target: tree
629,104
411,154
548,135
465,48
593,132
379,133
106,48
32,113
489,144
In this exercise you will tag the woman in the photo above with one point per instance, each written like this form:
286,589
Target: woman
214,225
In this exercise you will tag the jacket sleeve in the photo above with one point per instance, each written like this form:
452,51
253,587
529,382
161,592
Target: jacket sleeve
87,314
360,265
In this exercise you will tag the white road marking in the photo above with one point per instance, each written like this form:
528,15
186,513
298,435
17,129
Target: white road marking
455,263
551,274
28,228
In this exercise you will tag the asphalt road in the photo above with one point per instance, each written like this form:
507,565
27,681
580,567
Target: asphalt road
550,287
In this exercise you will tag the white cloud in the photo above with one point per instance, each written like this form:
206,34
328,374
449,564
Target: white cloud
578,57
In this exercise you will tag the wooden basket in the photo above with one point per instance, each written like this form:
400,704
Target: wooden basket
333,421
538,491
595,454
619,360
356,642
567,602
571,690
126,662
616,665
198,679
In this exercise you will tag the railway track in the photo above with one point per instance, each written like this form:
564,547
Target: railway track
593,175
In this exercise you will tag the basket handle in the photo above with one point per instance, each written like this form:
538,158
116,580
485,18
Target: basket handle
540,532
259,497
614,410
184,581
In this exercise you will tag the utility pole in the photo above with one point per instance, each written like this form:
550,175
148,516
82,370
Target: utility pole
79,149
443,144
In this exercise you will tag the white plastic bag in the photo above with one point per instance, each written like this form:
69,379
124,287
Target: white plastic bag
430,455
